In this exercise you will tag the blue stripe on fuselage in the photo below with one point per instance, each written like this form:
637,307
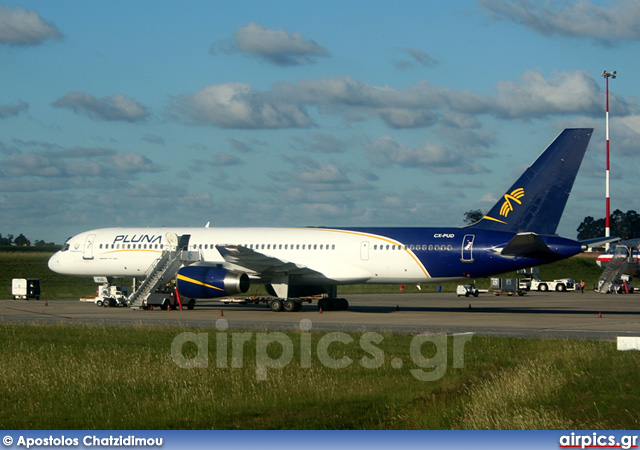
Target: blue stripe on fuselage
441,252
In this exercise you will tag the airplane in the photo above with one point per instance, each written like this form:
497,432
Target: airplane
297,262
630,247
620,263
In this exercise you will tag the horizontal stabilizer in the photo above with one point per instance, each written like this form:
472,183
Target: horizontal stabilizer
528,245
600,241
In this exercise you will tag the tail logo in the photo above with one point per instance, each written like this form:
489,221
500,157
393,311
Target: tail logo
514,196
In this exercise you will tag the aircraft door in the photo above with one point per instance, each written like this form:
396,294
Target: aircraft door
364,250
183,242
467,248
88,247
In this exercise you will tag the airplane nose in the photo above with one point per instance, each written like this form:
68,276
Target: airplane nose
54,262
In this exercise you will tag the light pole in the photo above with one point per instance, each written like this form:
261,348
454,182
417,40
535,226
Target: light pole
607,229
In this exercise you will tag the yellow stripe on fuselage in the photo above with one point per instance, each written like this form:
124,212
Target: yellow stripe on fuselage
381,238
133,250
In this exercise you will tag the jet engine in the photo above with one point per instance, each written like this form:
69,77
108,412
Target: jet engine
210,282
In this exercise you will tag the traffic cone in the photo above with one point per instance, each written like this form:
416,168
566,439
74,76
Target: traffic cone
320,310
600,314
222,313
46,303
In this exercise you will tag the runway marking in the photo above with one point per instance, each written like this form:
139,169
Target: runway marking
40,313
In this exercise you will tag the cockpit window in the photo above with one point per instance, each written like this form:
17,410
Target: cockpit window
65,248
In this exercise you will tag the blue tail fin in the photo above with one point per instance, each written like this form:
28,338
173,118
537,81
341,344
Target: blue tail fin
536,201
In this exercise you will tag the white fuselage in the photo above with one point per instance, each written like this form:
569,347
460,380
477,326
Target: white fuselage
342,256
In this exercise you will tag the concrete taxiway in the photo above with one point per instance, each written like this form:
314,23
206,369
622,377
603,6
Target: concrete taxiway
541,315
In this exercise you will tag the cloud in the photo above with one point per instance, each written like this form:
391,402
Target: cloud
430,156
410,107
417,57
76,164
421,105
574,18
318,192
534,95
316,180
153,139
240,146
236,105
225,159
22,27
116,107
7,111
274,46
321,143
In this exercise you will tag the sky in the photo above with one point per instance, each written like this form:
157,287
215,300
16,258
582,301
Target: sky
305,113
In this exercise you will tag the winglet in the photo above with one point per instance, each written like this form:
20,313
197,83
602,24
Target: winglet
536,201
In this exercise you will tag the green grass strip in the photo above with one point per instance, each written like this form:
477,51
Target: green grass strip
92,377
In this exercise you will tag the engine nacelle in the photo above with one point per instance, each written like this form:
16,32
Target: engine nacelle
210,282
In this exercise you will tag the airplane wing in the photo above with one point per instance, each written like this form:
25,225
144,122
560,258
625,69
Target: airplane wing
260,263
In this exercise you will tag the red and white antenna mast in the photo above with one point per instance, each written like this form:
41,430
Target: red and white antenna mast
607,224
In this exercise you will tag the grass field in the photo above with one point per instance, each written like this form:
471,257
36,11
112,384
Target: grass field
92,377
89,377
34,265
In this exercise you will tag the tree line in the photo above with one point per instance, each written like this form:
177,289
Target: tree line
623,225
21,241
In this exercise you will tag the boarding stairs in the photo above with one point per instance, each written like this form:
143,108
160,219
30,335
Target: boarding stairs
614,270
163,270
